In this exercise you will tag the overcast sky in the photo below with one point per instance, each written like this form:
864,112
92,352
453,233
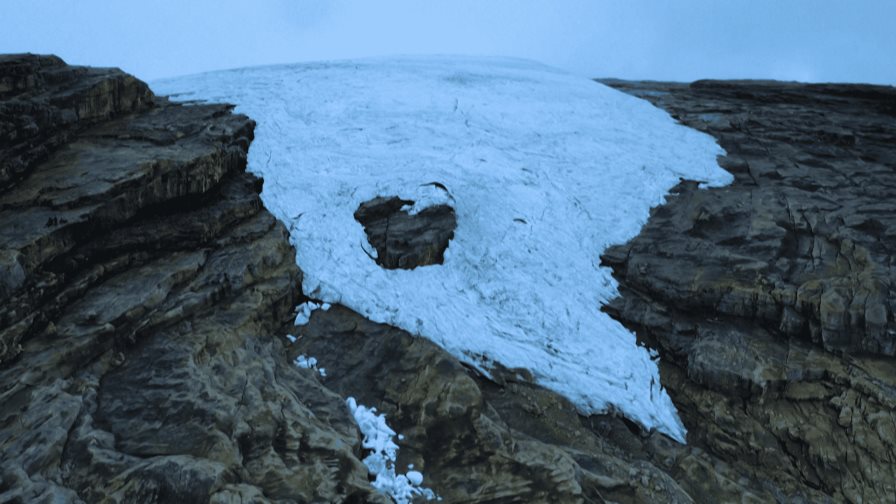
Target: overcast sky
806,40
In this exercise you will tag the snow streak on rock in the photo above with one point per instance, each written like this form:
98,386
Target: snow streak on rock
380,462
545,170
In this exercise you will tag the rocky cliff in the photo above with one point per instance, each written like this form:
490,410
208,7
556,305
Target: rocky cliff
146,295
143,289
772,300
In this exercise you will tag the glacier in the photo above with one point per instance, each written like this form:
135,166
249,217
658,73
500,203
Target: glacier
545,169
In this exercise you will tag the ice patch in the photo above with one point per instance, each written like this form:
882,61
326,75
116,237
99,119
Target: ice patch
306,362
546,170
381,460
303,361
303,311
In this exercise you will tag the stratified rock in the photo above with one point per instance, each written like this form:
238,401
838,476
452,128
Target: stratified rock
505,439
143,290
43,101
405,240
772,299
802,242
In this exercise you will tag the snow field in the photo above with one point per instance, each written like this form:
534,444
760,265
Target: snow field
544,170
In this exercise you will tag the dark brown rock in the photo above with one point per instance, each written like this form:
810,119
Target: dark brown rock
43,101
143,290
404,240
803,241
771,300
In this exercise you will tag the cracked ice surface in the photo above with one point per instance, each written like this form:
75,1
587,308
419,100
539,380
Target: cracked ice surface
545,169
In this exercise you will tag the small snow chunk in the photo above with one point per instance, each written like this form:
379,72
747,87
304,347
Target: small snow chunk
303,361
291,338
322,372
303,312
383,452
415,478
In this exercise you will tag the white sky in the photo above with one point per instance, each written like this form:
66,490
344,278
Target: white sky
807,40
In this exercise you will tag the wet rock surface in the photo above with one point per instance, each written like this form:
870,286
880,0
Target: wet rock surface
403,239
771,300
144,287
803,241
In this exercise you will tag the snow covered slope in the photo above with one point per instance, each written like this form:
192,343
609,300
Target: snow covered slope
546,170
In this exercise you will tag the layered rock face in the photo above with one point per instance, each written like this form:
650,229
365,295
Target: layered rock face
45,100
772,300
143,289
506,440
146,295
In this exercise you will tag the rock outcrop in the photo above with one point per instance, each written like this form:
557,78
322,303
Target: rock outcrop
405,240
144,287
43,101
772,299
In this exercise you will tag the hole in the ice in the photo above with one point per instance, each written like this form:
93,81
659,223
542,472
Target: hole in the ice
403,239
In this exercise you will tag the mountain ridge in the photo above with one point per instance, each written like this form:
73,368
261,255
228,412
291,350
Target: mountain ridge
146,354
